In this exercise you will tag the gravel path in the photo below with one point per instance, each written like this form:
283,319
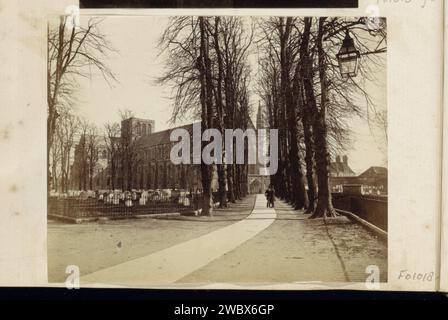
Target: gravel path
297,249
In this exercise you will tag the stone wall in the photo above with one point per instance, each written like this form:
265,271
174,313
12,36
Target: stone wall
370,208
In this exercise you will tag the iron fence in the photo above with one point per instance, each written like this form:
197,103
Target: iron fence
81,207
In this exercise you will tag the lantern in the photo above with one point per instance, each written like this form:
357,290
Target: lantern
348,57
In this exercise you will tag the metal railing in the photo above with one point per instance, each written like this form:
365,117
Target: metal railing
82,207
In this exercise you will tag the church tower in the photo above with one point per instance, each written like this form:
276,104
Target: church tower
261,122
135,127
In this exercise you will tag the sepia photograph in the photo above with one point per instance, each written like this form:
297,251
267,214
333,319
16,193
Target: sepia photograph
216,150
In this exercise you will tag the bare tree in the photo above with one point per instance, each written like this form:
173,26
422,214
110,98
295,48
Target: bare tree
308,107
219,103
83,166
73,51
235,44
55,163
280,38
207,111
67,128
336,92
231,43
324,206
209,71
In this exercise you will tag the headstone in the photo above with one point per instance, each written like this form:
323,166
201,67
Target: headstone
143,198
116,198
128,199
83,195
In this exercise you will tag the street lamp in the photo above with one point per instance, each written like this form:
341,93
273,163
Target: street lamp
348,57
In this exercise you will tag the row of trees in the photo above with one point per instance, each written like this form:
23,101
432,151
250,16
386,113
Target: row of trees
71,131
207,66
309,101
299,80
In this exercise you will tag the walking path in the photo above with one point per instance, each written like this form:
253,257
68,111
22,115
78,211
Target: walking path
171,264
296,249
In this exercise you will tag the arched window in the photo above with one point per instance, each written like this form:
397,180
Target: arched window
139,129
143,129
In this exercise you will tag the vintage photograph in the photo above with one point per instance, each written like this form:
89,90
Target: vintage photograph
199,150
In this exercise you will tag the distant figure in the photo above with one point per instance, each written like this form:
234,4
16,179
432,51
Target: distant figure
269,197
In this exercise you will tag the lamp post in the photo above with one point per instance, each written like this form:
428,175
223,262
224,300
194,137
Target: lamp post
348,57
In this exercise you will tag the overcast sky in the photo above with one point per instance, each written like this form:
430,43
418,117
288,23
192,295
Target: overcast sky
137,65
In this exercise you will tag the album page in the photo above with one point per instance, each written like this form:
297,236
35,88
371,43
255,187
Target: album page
223,148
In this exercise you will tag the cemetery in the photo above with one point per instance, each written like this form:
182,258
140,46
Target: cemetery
122,204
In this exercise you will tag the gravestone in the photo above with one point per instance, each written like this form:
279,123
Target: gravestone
143,198
128,199
116,199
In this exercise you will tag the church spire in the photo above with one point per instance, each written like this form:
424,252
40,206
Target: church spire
260,117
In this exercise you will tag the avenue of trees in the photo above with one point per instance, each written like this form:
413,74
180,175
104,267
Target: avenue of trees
211,63
310,101
299,81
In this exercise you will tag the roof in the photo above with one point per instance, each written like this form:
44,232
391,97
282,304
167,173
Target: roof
374,171
161,137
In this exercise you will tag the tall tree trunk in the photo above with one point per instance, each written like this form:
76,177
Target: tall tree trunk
220,117
230,182
324,206
309,154
238,181
308,106
53,94
112,169
229,121
91,176
296,182
68,171
206,117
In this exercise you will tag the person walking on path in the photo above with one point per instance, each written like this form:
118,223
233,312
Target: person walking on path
269,197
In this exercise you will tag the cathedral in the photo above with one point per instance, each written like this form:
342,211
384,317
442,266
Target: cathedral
143,162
